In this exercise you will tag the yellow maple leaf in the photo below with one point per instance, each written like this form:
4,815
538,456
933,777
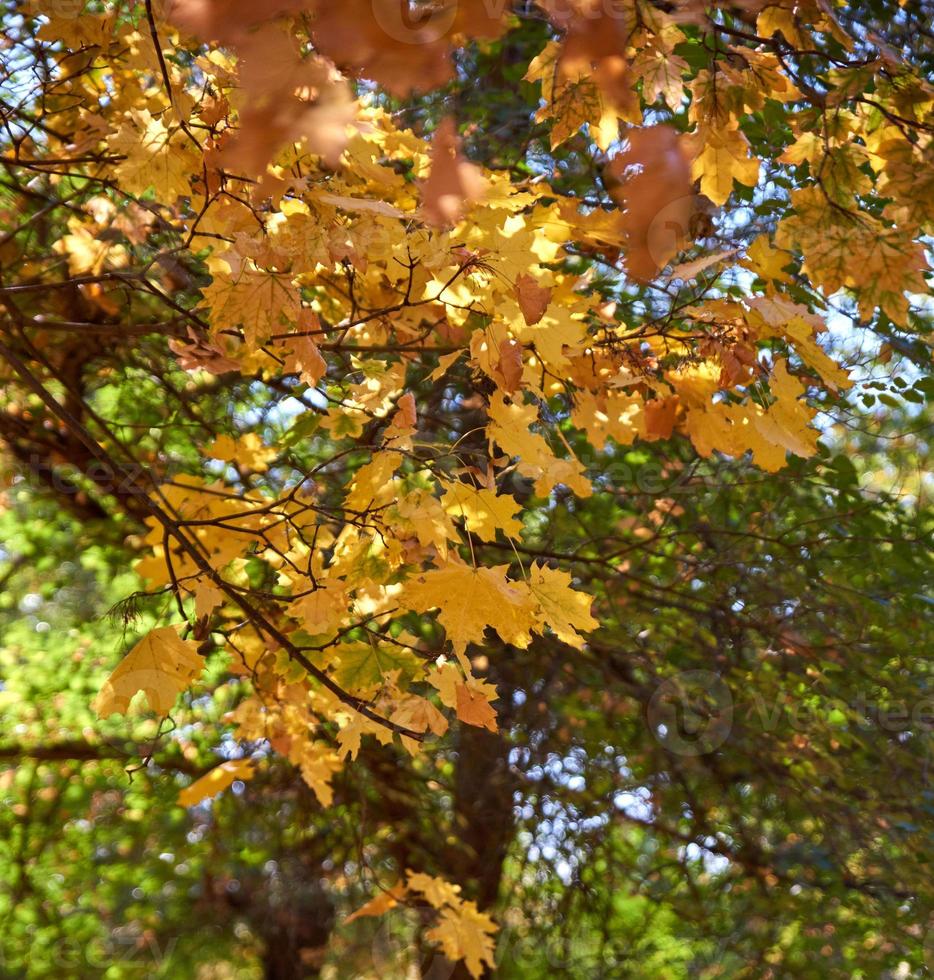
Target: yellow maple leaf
613,415
161,665
571,102
847,250
301,234
776,316
75,32
444,678
317,762
483,511
437,891
426,516
242,294
87,251
471,599
509,428
662,73
908,175
420,715
322,610
216,781
558,329
724,157
767,432
155,157
353,726
767,261
652,49
373,483
207,598
781,17
465,933
560,607
248,451
786,422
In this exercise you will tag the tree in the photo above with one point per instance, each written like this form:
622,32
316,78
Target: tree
517,543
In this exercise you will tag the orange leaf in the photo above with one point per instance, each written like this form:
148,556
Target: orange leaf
453,182
380,904
474,709
216,781
533,299
654,188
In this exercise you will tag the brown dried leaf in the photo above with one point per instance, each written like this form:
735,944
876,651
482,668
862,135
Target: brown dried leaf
509,368
474,709
201,355
401,48
594,47
452,183
533,299
653,186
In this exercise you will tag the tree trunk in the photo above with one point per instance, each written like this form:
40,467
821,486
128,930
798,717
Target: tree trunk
296,940
292,915
484,818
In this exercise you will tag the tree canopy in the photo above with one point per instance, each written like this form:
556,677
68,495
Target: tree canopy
464,502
